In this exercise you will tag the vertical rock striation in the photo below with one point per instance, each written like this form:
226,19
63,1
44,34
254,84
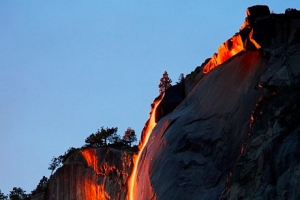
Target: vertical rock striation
92,174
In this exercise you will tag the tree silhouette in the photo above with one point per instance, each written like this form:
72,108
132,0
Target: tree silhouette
3,196
109,134
94,140
19,194
55,163
114,138
180,79
41,187
101,137
70,151
129,136
165,83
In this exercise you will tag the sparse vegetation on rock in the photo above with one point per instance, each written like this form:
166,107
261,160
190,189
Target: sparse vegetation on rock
41,187
101,137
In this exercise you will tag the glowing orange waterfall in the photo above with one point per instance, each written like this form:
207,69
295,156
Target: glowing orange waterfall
91,159
92,190
144,139
227,50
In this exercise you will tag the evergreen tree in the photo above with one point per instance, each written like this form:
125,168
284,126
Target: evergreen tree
101,137
94,140
114,139
19,194
109,133
41,187
3,196
129,136
55,163
165,83
181,78
69,152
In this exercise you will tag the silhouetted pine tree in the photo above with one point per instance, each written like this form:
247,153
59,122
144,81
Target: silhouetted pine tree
165,83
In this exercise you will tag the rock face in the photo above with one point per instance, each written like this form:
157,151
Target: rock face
260,30
269,166
236,135
231,130
172,98
192,150
92,174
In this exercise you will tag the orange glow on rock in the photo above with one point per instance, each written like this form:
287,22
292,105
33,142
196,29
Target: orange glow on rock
245,25
253,41
143,141
227,50
231,47
91,158
92,190
242,149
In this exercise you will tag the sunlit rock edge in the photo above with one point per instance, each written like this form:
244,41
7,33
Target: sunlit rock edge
92,173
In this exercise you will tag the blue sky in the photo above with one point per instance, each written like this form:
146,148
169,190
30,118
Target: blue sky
70,67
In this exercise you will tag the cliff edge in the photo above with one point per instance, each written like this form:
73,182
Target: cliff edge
235,135
97,173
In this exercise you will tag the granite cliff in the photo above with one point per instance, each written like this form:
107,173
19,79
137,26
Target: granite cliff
97,173
236,133
230,130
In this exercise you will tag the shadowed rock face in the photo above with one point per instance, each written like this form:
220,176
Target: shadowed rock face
236,134
269,166
193,149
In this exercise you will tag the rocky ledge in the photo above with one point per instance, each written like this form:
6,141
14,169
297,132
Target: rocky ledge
98,173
